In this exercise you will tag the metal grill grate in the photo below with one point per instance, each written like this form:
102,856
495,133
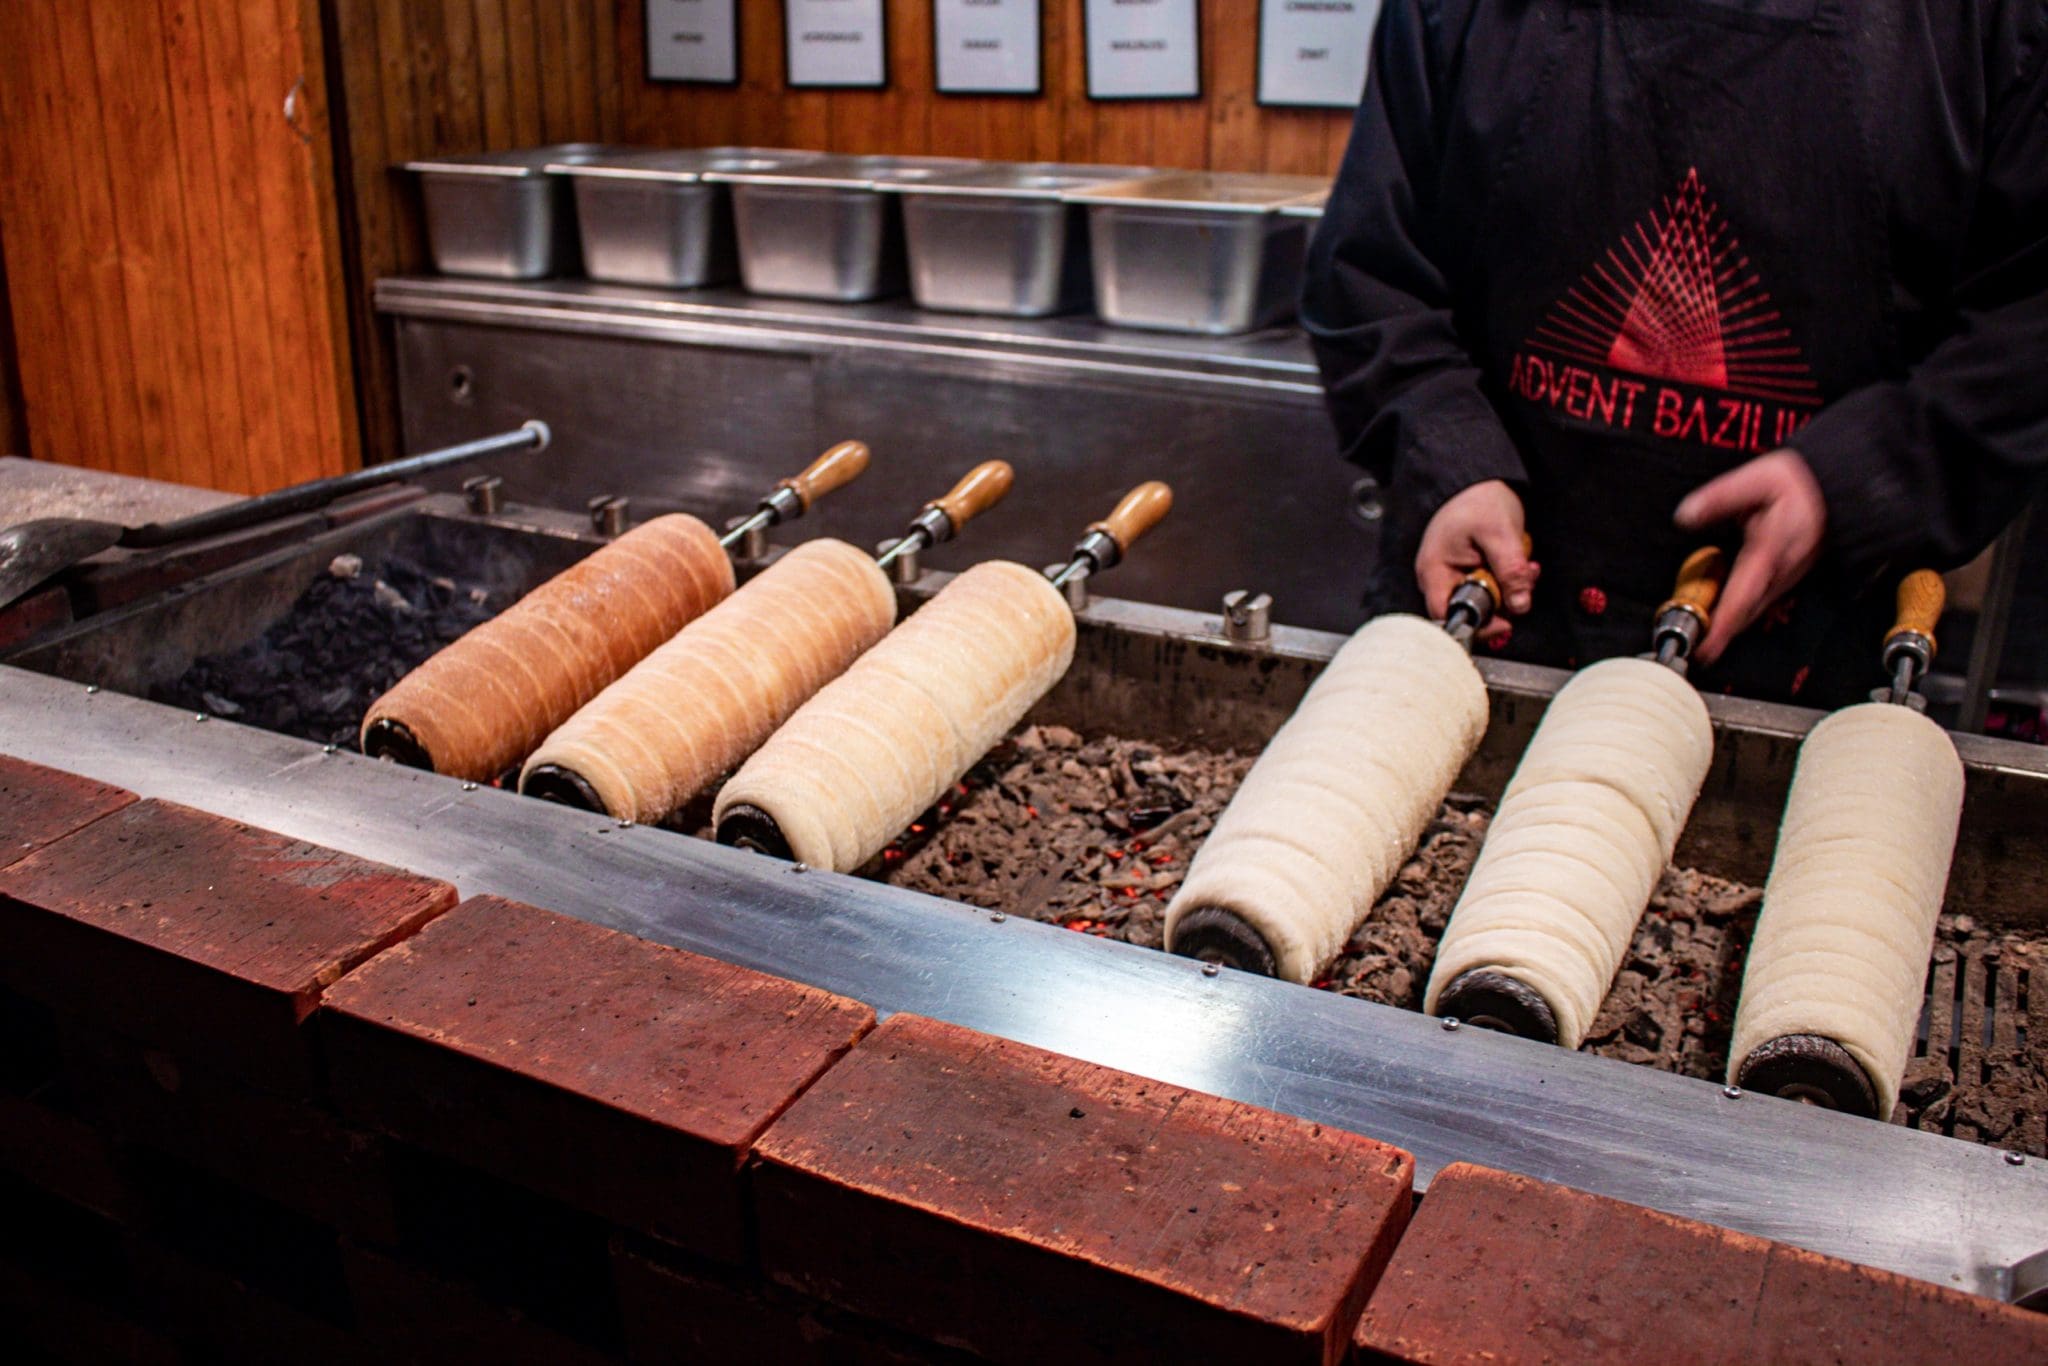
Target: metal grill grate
1981,1032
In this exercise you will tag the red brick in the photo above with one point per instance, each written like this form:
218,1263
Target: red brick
53,1321
62,1154
38,805
222,1319
680,1313
619,1076
1502,1270
412,1312
200,935
1030,1207
285,1148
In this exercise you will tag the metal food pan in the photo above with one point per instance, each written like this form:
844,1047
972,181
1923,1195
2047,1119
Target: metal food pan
506,215
823,229
652,218
1002,239
1201,252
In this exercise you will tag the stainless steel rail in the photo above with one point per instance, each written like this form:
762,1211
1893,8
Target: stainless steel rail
1931,1207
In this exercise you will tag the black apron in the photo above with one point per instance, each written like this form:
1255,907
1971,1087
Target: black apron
1645,306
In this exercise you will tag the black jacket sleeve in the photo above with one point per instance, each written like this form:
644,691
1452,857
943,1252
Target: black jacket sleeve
1402,389
1928,469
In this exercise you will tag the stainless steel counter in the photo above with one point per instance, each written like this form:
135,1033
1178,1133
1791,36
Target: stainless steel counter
1932,1207
693,399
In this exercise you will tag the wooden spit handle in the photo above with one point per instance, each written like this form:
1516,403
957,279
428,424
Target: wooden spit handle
1140,510
835,469
1922,598
981,489
1699,583
1484,578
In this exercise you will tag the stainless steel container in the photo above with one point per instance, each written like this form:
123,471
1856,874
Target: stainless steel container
504,214
823,229
1204,252
1001,239
651,218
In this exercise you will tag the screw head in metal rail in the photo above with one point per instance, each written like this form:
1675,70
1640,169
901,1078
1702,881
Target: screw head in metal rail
199,716
2015,1160
997,917
469,787
91,688
625,825
799,867
1211,969
1732,1092
330,749
1452,1024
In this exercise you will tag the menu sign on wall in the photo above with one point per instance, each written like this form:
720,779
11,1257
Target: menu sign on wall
693,40
1313,52
1143,49
836,43
986,47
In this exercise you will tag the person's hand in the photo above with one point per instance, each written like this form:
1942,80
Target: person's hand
1784,518
1479,528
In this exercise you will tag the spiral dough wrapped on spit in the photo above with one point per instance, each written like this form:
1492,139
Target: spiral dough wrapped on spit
1583,832
482,703
707,699
1848,920
1333,807
858,762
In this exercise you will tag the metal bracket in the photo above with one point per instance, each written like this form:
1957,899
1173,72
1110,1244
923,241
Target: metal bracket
905,567
610,515
753,543
483,493
1247,617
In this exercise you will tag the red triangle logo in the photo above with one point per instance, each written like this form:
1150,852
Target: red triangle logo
1677,300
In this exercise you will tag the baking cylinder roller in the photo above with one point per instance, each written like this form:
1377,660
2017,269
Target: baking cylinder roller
857,763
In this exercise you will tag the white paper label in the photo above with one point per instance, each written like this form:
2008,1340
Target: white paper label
987,46
835,42
1314,52
1140,49
693,40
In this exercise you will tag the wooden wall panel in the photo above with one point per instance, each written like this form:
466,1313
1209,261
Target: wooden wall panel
457,76
171,240
13,415
1224,130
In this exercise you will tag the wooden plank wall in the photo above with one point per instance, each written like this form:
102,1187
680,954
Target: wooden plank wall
13,415
456,76
1225,130
171,241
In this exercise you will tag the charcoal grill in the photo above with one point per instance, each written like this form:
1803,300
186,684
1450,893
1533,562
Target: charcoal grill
1917,1202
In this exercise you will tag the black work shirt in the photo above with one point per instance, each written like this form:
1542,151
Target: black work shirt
1608,249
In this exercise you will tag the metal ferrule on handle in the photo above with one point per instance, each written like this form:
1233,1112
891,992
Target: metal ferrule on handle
250,512
1472,606
1909,646
1683,621
929,528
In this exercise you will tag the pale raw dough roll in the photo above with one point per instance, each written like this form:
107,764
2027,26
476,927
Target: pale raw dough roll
482,703
1583,832
1336,803
707,699
882,742
1848,919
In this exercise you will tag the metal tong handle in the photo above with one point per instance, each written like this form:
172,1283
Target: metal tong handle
1109,540
791,498
319,493
980,489
1909,646
1689,611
